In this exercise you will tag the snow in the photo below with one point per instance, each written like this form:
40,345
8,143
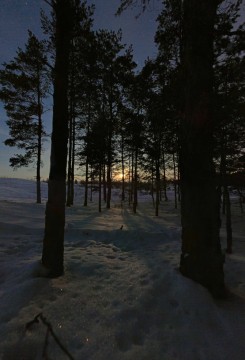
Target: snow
122,296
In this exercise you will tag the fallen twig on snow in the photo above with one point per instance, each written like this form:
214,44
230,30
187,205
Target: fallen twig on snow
51,332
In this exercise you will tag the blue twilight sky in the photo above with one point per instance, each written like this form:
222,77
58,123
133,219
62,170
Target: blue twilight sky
17,16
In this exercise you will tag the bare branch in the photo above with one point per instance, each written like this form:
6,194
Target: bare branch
49,3
51,332
126,3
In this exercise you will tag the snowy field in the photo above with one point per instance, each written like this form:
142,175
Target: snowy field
122,297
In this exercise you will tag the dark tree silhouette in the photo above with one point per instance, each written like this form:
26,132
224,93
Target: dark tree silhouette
53,242
24,84
201,257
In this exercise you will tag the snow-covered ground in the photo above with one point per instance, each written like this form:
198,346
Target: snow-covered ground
122,297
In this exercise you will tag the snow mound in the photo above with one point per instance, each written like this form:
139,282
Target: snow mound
122,296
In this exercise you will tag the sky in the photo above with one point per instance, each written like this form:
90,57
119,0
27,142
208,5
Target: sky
17,16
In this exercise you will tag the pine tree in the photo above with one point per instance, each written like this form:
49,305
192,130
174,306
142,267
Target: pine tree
24,86
169,39
87,100
113,67
201,257
80,83
53,242
136,114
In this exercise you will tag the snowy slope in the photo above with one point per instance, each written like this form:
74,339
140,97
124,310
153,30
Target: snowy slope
122,297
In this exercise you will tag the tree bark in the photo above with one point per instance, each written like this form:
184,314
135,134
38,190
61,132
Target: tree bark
226,195
123,167
135,181
109,169
86,183
39,141
104,182
108,181
53,243
73,161
69,175
228,220
175,184
100,181
157,188
152,184
201,257
164,177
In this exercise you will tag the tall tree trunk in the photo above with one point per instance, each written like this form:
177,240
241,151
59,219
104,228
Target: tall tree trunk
53,242
228,220
71,120
164,177
178,179
87,156
69,175
109,150
109,166
38,184
131,169
157,187
226,194
100,177
91,183
135,184
175,184
73,161
123,167
39,142
86,184
201,257
104,182
241,200
129,179
152,184
108,180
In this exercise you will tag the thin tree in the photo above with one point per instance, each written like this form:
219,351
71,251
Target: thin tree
24,85
81,79
229,99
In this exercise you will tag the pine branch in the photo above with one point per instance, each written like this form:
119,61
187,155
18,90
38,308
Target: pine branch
49,3
32,322
127,3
